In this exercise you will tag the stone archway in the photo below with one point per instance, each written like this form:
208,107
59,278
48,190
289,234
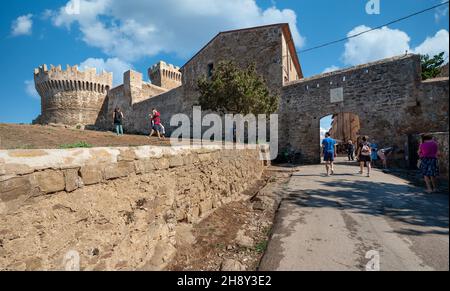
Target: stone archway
388,96
343,127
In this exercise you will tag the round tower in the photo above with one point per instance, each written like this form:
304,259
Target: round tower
71,97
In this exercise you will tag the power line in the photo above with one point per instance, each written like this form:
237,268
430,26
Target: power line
372,29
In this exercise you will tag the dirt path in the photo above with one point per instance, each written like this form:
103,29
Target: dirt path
237,232
16,136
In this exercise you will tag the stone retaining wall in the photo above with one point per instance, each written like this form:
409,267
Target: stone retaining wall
115,208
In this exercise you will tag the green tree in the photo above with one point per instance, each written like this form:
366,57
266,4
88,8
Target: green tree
233,90
431,67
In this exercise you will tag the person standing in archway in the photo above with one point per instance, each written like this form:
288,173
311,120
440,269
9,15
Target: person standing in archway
329,153
365,155
351,151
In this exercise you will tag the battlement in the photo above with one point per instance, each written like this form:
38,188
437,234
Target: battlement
72,75
165,75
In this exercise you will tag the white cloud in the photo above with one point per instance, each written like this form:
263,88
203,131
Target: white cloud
375,45
31,90
435,44
23,25
134,29
386,42
114,65
330,69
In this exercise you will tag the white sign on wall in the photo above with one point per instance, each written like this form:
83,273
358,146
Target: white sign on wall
337,95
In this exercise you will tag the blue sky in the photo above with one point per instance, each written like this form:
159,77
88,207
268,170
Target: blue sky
117,35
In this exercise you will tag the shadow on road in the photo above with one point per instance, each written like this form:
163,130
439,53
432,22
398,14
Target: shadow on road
401,202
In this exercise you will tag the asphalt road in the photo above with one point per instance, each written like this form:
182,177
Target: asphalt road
350,222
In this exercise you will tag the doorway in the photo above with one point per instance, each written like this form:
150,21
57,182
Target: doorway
343,127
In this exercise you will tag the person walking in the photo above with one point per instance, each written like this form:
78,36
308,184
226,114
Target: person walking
351,151
365,156
156,124
429,164
329,153
118,121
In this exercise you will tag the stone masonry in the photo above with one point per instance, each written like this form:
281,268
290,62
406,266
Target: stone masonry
388,96
71,97
117,208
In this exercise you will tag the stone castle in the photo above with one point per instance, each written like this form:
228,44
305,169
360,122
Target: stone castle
79,98
389,96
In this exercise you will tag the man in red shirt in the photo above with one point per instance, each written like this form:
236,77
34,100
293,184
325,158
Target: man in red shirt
156,124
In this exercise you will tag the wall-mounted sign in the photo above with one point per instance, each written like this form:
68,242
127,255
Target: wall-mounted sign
337,95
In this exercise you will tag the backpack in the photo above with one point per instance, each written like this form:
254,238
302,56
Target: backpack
365,151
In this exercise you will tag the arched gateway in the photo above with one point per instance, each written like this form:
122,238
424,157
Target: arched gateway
389,96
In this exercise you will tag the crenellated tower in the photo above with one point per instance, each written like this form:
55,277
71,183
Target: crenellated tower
71,97
165,75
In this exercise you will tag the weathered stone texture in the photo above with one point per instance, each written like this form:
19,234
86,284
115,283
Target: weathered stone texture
71,97
388,96
127,223
137,98
442,138
49,181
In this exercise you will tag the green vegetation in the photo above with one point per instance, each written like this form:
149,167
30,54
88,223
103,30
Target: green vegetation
261,247
232,90
431,67
80,144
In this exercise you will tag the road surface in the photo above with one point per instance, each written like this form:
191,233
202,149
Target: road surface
350,222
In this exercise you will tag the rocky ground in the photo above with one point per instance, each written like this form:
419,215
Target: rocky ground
18,136
235,236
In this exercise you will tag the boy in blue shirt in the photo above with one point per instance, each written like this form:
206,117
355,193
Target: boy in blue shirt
329,152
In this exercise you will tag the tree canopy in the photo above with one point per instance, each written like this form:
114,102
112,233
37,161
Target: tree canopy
431,67
231,89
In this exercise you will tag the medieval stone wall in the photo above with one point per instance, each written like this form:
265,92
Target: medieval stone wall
262,46
388,96
117,208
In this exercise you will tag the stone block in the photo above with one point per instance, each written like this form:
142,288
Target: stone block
91,174
127,155
204,157
176,161
14,188
144,166
15,169
162,164
119,170
50,181
72,180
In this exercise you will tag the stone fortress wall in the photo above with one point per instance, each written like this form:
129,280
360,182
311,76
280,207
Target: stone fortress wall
388,96
118,208
173,89
70,96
